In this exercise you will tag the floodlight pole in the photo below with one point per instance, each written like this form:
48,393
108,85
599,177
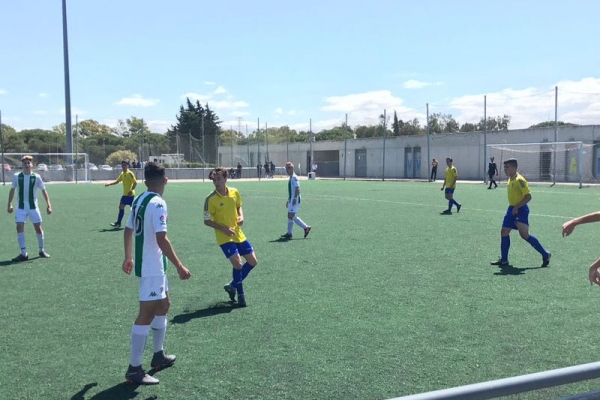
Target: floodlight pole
2,149
69,132
384,124
428,144
555,132
484,138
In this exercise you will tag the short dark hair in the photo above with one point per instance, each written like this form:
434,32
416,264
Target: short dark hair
124,162
511,161
220,170
154,173
449,159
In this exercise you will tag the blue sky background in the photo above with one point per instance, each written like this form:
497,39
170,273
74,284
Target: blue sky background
290,62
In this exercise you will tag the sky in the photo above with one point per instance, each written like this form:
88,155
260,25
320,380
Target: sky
304,64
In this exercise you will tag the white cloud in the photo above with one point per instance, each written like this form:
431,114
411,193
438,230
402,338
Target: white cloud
220,90
2,91
196,96
292,112
137,101
240,113
43,95
158,126
210,83
365,108
415,84
578,102
279,110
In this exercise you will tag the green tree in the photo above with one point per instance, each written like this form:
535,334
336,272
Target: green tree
397,125
494,124
550,124
468,127
116,157
412,127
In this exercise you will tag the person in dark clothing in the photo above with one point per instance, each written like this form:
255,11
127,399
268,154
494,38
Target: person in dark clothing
492,172
434,165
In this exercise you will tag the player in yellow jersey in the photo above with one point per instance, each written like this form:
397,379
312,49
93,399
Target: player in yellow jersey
129,183
517,215
223,212
449,186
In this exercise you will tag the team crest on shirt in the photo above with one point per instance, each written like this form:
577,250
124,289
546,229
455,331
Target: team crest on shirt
163,219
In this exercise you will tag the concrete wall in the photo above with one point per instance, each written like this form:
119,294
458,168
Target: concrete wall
467,150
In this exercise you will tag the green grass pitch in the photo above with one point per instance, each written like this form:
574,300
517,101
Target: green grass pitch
386,297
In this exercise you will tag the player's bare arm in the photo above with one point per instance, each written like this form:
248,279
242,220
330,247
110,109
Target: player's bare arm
128,244
11,195
47,199
240,219
165,245
229,231
569,226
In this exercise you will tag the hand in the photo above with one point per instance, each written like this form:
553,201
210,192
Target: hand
130,193
515,211
229,231
9,209
183,273
49,210
594,275
568,227
287,204
106,184
127,266
442,188
240,221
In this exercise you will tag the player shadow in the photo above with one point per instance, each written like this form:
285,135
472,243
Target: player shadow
281,240
210,311
114,229
11,262
122,391
511,270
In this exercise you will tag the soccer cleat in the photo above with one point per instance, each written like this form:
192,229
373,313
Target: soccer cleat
138,376
20,258
241,301
230,291
307,231
446,212
115,225
43,254
458,207
160,360
287,236
546,261
500,263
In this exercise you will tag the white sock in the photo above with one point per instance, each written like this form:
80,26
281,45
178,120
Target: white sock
40,237
290,226
21,239
159,331
299,222
139,334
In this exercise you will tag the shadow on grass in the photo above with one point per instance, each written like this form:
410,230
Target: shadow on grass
11,262
122,391
110,230
215,309
281,240
510,270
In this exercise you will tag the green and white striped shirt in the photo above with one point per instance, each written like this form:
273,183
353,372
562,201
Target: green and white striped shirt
27,187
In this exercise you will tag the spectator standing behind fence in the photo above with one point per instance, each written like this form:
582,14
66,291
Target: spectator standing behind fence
434,165
272,168
267,169
239,170
313,168
259,170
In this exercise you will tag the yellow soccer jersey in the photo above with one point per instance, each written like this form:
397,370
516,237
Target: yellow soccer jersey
517,189
451,175
128,179
223,211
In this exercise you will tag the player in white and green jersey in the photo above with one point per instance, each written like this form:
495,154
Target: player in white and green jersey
147,227
28,183
293,203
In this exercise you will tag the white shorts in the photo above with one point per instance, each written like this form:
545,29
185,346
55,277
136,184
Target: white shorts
153,288
22,214
293,209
